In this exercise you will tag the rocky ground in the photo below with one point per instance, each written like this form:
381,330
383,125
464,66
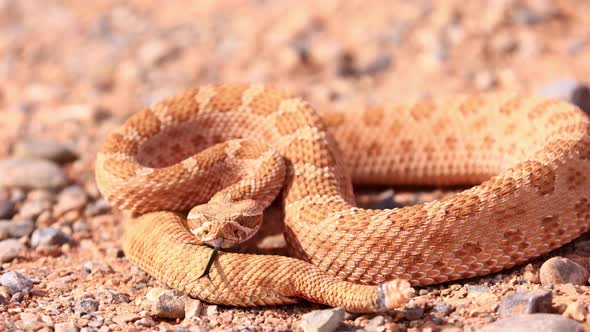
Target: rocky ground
73,70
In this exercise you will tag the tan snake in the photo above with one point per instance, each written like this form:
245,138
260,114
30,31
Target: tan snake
238,146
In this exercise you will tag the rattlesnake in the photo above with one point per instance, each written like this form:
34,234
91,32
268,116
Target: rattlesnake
532,155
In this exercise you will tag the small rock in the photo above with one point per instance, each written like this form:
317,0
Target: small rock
6,209
35,206
559,270
471,289
166,303
145,322
65,327
572,90
442,309
71,198
17,297
80,226
113,297
101,206
86,306
536,322
95,323
47,150
374,324
9,249
192,308
526,302
123,318
576,311
97,266
531,275
15,282
413,312
382,200
15,229
27,174
47,237
60,283
210,310
485,80
566,289
29,323
379,64
326,320
83,113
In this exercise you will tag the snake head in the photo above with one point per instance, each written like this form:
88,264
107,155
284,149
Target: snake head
233,221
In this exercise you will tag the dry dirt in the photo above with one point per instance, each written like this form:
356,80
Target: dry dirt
73,70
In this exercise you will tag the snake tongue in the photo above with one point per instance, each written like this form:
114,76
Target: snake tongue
212,258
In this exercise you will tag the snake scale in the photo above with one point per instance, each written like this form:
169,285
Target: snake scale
225,152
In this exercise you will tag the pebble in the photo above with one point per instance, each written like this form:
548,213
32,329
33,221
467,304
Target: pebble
571,90
65,327
15,282
86,306
28,322
16,229
46,237
60,283
576,311
192,308
122,319
35,206
84,113
443,309
53,151
112,297
71,198
536,323
526,302
100,206
9,249
166,303
210,310
375,323
145,322
382,200
471,289
413,312
531,275
6,209
326,320
559,270
31,174
97,266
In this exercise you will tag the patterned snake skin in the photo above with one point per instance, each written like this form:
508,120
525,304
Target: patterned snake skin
238,146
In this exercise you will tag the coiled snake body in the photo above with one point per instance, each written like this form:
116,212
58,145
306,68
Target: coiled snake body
226,151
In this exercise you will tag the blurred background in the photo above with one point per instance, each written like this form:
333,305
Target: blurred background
70,71
75,65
